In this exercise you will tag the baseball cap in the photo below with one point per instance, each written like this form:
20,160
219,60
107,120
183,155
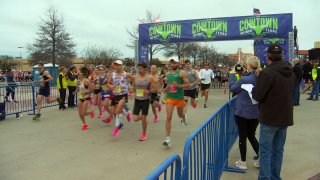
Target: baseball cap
119,62
175,60
274,49
238,67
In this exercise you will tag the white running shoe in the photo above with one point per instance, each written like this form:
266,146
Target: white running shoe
167,142
257,164
241,164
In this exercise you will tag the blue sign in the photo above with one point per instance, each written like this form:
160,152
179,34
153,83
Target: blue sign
215,29
261,46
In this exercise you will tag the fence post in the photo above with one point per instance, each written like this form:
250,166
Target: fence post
227,168
33,99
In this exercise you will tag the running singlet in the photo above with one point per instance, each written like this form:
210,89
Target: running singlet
83,90
175,92
46,84
192,78
121,84
140,86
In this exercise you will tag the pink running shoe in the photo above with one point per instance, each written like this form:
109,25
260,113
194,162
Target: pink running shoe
128,116
100,115
143,137
115,132
107,120
155,119
84,127
159,107
92,114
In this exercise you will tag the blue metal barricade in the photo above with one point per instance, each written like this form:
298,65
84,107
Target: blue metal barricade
169,169
206,149
25,98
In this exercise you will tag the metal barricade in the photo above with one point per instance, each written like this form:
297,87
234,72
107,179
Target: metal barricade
206,149
25,98
171,166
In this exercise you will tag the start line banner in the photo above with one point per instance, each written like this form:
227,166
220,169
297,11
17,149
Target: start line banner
214,29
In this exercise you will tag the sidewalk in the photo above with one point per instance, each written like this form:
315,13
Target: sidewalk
56,149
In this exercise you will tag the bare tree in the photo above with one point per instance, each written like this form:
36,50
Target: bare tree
134,35
175,49
7,62
53,43
192,51
95,55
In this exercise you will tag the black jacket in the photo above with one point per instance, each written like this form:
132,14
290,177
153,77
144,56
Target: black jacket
274,92
298,73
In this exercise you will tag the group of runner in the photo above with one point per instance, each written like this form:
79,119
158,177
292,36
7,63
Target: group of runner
109,88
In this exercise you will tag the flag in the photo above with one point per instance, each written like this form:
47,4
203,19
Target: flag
256,12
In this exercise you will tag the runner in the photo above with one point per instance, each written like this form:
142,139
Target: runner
106,95
141,103
155,92
191,91
119,84
205,75
97,88
44,90
177,80
84,88
198,69
164,84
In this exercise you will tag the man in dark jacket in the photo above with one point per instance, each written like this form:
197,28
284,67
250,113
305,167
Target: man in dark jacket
298,73
274,92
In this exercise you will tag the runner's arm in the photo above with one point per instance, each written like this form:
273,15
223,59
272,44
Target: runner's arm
197,77
110,83
46,73
185,79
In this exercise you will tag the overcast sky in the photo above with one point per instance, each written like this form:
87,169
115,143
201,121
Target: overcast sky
104,22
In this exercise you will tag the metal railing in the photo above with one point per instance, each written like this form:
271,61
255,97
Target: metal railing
171,166
207,149
25,96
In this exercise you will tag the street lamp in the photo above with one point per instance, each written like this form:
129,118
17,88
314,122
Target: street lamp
20,51
20,58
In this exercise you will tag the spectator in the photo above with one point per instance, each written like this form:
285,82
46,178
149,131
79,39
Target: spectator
307,68
316,81
72,84
62,86
246,113
274,92
298,73
11,86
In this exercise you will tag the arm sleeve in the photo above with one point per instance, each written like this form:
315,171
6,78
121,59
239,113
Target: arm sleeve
232,80
263,84
235,87
60,81
71,77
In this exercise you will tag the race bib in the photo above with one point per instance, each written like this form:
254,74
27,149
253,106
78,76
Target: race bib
118,89
139,92
172,88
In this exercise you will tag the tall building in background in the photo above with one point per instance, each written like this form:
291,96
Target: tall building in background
317,44
240,56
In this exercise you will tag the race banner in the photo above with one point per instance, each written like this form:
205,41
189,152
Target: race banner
216,29
261,46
